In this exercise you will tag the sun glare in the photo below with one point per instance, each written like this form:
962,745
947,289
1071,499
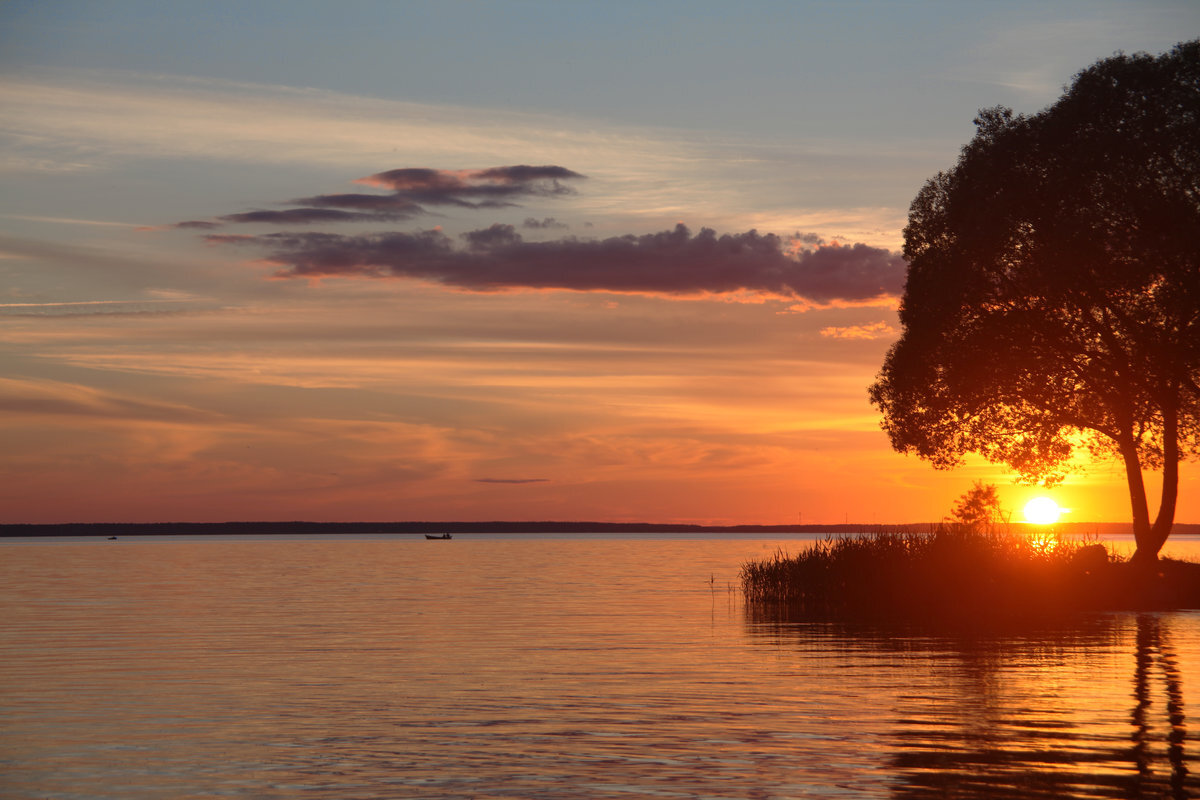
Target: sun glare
1042,511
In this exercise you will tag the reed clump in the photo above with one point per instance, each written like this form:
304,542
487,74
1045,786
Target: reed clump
963,571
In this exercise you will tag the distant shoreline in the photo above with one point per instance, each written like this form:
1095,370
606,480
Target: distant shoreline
13,530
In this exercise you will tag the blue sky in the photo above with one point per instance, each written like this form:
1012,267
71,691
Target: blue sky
158,371
781,68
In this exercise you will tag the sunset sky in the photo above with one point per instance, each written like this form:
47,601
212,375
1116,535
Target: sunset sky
491,260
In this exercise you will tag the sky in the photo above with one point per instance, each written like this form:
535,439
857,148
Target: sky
491,260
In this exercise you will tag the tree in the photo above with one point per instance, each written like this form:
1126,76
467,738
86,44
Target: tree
1053,291
979,508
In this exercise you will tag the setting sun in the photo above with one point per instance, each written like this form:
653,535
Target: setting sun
1042,511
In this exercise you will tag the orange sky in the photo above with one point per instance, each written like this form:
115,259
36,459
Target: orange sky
407,401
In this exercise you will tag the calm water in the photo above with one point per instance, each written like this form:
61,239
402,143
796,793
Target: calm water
548,667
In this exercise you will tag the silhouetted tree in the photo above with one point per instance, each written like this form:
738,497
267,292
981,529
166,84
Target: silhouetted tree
979,508
1053,293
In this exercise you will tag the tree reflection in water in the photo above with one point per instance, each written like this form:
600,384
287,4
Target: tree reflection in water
1154,649
1028,714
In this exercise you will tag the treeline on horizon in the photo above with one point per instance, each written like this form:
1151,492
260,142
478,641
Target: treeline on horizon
302,527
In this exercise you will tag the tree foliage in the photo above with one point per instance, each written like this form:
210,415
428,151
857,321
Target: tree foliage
1053,291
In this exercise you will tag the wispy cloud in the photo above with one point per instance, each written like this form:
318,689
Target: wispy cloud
71,221
1035,59
93,307
102,119
98,114
39,397
412,189
115,270
874,330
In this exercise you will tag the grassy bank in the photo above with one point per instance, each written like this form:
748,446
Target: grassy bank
961,572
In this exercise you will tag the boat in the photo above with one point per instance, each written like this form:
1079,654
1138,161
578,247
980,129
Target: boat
436,536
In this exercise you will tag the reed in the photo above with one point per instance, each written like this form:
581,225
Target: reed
962,571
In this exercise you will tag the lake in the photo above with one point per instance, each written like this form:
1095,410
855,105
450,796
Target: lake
543,666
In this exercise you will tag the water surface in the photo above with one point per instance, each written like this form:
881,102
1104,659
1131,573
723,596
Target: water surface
548,666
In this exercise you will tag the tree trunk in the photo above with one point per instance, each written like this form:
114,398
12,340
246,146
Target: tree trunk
1150,538
1146,552
1170,486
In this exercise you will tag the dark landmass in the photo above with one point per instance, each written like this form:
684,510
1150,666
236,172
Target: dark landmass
302,527
962,576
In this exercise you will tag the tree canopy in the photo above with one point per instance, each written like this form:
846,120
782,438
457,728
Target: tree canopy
1053,291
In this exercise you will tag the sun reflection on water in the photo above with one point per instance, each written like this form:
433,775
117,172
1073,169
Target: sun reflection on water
1043,541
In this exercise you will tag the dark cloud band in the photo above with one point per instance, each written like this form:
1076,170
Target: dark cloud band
673,262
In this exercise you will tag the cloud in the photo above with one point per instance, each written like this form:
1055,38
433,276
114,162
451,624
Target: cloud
512,480
804,241
57,117
106,270
115,119
496,237
47,398
543,224
82,308
412,189
875,330
305,216
486,188
377,203
71,221
672,262
320,209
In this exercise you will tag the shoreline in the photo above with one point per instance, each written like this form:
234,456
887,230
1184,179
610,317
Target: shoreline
26,530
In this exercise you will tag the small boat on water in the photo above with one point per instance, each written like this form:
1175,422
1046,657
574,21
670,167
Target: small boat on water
436,536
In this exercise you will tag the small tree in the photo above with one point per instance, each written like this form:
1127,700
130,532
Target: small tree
979,508
1053,292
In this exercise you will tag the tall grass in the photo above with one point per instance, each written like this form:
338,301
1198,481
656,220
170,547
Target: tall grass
960,571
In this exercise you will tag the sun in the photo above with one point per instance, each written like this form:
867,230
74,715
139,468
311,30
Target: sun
1042,511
